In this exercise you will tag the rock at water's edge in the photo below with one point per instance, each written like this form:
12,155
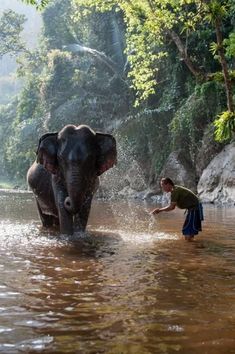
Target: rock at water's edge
217,183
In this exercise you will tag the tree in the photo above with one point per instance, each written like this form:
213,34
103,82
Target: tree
40,4
225,123
61,87
216,13
150,23
11,26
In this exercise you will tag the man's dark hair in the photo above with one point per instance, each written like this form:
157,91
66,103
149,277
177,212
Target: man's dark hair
167,180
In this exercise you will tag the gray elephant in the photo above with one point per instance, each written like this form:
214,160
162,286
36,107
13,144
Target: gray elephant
65,174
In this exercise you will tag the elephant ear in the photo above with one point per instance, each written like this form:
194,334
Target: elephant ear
107,152
47,152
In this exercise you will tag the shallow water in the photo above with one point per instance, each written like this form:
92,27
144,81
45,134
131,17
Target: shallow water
131,284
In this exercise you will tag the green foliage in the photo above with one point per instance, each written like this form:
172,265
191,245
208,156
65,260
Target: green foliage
148,28
58,26
146,138
40,4
148,24
57,85
20,125
17,154
225,126
31,63
214,48
62,87
215,10
219,77
16,141
194,115
6,114
29,101
8,88
230,45
11,26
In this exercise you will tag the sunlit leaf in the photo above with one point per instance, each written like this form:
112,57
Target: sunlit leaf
225,126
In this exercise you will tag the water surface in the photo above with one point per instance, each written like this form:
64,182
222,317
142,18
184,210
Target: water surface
131,284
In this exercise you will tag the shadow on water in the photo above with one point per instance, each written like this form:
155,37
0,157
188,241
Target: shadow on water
130,284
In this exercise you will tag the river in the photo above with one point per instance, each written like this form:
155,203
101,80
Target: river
130,285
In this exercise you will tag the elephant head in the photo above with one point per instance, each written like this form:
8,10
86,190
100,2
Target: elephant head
77,156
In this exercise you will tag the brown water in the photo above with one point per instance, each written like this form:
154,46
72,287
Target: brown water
131,284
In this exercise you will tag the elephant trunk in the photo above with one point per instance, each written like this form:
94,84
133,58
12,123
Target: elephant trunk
69,206
74,201
77,190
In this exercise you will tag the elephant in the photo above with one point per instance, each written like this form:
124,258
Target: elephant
66,173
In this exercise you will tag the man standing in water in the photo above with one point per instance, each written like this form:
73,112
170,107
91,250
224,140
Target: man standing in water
183,198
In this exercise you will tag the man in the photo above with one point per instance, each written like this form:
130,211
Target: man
183,198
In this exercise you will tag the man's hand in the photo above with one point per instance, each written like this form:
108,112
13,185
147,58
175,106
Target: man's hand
166,208
155,211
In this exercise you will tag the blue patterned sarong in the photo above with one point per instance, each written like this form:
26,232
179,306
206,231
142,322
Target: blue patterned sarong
192,224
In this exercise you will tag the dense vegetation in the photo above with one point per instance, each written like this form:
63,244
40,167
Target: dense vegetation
159,74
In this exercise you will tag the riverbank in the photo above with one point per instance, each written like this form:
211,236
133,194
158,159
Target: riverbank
156,199
6,184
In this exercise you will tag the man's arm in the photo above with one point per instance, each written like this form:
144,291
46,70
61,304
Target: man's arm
167,208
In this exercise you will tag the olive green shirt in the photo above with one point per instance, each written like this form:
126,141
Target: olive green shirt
184,198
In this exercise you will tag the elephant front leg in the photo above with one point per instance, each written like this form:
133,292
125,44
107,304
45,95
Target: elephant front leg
81,218
47,220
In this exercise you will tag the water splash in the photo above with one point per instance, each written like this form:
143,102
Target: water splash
138,237
133,176
21,236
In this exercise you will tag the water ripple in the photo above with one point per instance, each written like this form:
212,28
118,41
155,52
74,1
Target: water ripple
130,284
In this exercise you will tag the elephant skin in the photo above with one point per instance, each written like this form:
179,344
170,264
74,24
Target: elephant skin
65,175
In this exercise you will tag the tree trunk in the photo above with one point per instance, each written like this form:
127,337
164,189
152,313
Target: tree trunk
223,62
199,74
